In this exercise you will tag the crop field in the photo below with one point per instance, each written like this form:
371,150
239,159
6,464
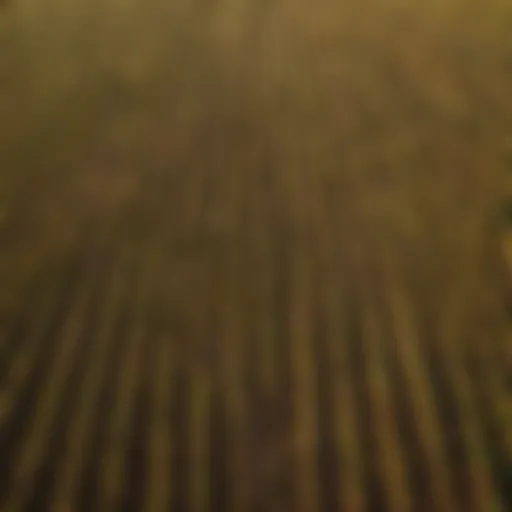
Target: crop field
253,255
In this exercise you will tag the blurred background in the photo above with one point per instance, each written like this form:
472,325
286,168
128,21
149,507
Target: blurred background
254,255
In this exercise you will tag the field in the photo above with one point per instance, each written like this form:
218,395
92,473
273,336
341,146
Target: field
253,255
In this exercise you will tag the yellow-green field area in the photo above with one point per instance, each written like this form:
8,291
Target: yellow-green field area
253,255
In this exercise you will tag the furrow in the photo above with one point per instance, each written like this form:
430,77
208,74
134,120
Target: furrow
30,459
114,471
419,392
77,438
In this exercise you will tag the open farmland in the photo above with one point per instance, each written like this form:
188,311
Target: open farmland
250,255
